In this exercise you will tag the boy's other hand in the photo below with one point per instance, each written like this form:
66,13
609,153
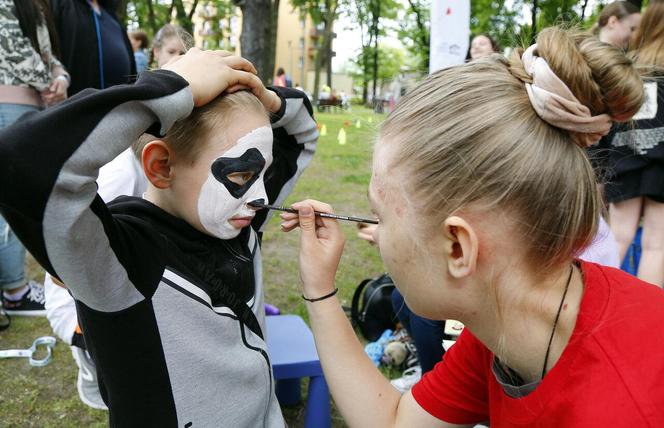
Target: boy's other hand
270,99
367,232
210,73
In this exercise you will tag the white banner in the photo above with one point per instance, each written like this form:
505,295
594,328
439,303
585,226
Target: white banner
450,31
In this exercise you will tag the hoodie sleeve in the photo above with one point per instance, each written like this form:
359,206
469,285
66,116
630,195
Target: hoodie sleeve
49,163
295,137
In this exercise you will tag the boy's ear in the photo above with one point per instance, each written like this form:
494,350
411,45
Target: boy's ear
613,20
157,158
461,247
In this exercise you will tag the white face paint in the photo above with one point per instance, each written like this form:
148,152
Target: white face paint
222,204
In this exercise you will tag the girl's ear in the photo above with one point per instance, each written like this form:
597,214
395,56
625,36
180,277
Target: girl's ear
157,161
461,247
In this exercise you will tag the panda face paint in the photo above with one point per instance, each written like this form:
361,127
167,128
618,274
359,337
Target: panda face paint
234,179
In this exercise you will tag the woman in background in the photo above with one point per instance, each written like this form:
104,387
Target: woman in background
635,187
616,23
31,78
481,46
94,44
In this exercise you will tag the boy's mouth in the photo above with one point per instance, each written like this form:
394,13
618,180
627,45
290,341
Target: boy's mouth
241,222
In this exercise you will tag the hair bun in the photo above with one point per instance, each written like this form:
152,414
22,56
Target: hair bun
600,75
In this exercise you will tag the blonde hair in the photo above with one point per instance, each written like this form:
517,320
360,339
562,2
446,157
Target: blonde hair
619,9
468,137
169,31
648,41
186,136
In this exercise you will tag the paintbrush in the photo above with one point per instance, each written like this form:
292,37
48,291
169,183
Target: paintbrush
261,205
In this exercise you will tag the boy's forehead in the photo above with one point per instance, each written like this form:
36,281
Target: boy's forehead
259,138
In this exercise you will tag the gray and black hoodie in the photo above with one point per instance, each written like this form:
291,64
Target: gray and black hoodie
172,317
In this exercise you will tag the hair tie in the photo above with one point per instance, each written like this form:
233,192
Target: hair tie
555,103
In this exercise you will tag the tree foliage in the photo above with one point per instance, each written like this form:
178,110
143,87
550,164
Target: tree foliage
373,18
323,14
391,61
414,32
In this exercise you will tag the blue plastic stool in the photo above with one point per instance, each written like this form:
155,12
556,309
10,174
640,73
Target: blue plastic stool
293,354
633,256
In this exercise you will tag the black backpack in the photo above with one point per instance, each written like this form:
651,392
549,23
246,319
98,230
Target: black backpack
371,310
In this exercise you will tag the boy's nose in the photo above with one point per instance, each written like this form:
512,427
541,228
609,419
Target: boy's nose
256,204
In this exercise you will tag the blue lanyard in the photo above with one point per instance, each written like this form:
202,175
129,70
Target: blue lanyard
99,49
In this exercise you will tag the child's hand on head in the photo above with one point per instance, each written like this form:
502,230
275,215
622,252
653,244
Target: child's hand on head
269,98
210,73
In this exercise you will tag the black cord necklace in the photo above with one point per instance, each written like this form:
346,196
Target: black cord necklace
555,322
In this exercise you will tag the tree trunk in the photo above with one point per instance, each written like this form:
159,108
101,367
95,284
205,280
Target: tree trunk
583,10
271,51
151,19
329,27
376,18
182,17
533,32
121,11
317,66
192,11
423,33
328,60
255,29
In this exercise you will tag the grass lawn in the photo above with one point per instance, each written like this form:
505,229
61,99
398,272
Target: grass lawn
339,175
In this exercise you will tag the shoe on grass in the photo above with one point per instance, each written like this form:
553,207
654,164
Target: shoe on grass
409,378
30,305
87,385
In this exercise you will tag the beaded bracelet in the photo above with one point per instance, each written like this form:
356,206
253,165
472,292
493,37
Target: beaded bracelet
318,299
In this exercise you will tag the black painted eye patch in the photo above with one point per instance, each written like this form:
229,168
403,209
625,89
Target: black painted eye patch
251,161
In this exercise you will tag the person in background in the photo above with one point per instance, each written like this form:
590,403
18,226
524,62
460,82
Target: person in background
94,45
31,78
481,46
139,43
615,25
617,22
635,185
170,41
280,78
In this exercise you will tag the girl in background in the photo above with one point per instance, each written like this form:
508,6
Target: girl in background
170,41
139,43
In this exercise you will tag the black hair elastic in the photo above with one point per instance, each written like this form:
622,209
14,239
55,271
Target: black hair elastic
318,299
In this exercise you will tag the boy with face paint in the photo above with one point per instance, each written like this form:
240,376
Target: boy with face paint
168,287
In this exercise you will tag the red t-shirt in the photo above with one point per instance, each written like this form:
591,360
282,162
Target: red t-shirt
611,374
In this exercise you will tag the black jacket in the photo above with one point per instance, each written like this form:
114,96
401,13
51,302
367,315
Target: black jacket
172,317
78,42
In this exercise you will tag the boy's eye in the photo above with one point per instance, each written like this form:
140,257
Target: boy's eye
240,178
